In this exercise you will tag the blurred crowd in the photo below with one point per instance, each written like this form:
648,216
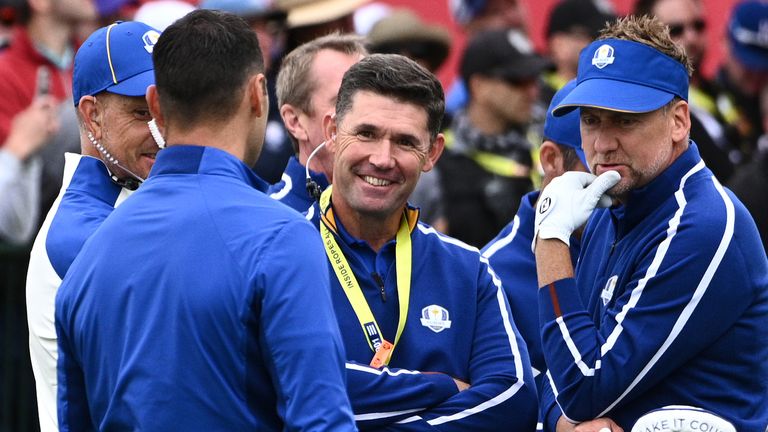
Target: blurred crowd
496,105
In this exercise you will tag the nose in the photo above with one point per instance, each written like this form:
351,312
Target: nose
382,155
603,140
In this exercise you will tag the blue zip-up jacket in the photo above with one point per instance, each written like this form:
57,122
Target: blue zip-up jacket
511,258
291,190
669,307
477,343
200,304
88,195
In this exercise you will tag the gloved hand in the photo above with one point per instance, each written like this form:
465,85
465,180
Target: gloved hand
566,203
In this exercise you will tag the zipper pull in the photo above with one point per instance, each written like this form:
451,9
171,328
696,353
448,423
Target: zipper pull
380,283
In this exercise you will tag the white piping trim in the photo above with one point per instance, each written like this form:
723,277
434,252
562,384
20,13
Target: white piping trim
502,242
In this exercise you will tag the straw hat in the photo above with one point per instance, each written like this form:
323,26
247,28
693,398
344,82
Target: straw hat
310,12
403,30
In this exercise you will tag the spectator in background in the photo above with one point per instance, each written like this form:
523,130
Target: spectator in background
475,16
743,75
310,19
750,182
39,62
307,86
402,32
20,169
488,162
686,22
572,25
267,19
159,14
116,147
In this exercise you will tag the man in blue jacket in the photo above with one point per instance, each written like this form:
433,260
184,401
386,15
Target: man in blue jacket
510,252
669,302
112,70
307,85
409,300
201,303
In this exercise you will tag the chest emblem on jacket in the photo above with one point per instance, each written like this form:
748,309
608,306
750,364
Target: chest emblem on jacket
435,318
607,293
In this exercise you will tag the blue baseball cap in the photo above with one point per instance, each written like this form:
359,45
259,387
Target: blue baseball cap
748,34
116,58
564,130
626,76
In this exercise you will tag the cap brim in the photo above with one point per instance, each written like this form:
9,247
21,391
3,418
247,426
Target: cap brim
135,85
613,95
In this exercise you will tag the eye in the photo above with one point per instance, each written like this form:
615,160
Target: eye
142,114
365,135
405,142
588,120
627,121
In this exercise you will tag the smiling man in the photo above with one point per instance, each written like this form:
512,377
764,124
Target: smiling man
409,300
669,302
117,154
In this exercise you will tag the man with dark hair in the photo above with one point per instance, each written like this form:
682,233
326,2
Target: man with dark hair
113,69
187,309
307,84
672,279
410,300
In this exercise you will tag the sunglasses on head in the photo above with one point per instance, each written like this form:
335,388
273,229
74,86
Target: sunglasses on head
677,29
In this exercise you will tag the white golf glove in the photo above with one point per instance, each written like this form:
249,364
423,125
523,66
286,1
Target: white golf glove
566,203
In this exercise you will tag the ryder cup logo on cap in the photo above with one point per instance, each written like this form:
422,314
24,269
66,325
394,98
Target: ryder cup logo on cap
117,59
603,56
640,78
681,418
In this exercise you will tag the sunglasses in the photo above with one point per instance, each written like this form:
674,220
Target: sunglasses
677,29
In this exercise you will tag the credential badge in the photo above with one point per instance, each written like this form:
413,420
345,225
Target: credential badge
607,293
150,39
603,56
435,318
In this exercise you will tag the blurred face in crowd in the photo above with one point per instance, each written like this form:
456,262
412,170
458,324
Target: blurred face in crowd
382,146
638,146
499,14
509,101
685,19
74,11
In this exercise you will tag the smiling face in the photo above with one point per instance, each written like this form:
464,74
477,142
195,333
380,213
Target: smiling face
381,147
125,134
638,146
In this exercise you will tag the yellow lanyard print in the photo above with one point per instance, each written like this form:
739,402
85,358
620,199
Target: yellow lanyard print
403,260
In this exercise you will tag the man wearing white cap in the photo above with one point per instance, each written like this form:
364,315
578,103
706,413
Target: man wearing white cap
669,302
112,71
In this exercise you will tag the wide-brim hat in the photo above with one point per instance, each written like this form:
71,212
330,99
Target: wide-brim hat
403,28
303,13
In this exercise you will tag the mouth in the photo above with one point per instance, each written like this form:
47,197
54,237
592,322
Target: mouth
375,181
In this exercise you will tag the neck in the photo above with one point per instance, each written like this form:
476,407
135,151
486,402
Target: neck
485,123
52,34
373,230
227,136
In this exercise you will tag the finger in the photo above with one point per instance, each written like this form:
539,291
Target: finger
604,182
